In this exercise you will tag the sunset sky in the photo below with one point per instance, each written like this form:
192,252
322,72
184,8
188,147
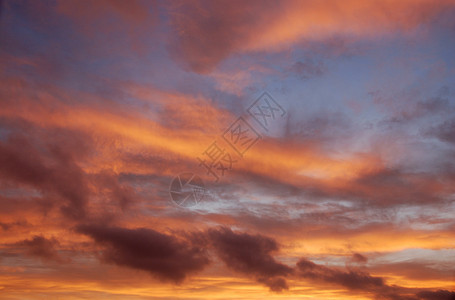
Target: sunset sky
320,136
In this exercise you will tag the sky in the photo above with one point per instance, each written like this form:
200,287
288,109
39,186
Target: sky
292,149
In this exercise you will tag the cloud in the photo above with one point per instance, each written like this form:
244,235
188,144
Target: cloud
172,259
350,279
10,225
359,258
436,295
251,255
276,284
444,131
362,281
164,256
45,160
307,68
414,270
208,32
120,26
409,110
41,247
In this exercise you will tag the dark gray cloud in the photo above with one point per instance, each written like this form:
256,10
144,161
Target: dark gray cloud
307,68
49,160
173,258
251,255
436,295
361,281
164,256
350,279
49,166
42,247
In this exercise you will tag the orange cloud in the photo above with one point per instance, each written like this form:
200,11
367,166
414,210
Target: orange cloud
208,32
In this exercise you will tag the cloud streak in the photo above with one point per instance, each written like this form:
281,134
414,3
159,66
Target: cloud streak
208,33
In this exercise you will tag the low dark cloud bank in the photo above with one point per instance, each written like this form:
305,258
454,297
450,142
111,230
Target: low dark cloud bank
164,256
174,258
